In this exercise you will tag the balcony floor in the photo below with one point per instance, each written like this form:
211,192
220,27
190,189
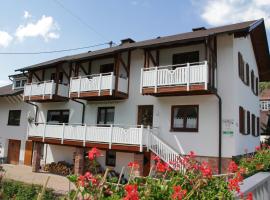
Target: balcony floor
46,98
176,90
95,96
119,147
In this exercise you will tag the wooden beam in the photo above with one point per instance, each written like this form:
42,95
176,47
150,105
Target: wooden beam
70,69
82,68
89,67
64,72
30,77
152,58
128,66
43,75
34,73
157,57
145,57
123,63
117,65
76,69
56,79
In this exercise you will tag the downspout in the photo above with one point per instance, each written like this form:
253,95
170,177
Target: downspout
83,107
219,133
37,108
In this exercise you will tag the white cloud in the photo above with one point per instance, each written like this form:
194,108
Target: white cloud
5,39
4,82
45,27
220,12
27,15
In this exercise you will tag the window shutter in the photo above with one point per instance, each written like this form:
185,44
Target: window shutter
239,64
257,86
247,74
253,124
248,122
252,80
241,120
258,126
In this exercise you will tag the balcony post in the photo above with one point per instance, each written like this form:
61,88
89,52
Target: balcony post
44,89
188,76
156,79
63,134
30,93
111,86
206,74
141,83
79,91
52,84
100,82
44,132
141,138
70,87
148,137
84,137
111,132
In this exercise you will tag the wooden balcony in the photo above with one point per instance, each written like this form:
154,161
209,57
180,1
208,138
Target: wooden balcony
45,91
182,79
98,87
104,136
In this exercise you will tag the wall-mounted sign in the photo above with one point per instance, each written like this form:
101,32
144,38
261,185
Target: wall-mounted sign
227,126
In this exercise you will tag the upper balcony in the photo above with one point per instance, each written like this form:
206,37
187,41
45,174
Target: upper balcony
45,91
175,79
98,86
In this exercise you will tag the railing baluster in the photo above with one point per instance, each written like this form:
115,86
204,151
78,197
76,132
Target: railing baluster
111,136
63,134
156,79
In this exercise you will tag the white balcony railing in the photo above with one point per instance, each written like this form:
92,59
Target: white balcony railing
112,134
97,83
44,88
175,75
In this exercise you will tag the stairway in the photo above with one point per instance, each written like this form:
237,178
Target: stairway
165,152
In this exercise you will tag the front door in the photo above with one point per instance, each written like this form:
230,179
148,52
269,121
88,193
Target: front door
145,115
14,151
28,153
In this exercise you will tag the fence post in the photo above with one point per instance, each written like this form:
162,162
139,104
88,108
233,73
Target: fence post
156,79
63,133
206,74
188,76
141,138
111,86
44,132
141,83
84,137
100,83
148,137
111,132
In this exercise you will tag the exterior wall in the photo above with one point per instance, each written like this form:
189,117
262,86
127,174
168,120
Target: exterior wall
14,132
245,96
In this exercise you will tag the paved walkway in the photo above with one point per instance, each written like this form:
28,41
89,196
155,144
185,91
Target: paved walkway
24,174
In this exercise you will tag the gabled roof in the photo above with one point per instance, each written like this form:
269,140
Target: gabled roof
7,91
255,28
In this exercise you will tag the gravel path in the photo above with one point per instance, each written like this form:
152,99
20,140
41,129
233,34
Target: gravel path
24,174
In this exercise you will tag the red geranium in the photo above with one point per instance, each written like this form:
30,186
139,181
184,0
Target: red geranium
233,167
179,193
131,192
206,170
93,153
134,165
249,196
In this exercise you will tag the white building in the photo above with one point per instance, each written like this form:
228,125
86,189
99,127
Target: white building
196,91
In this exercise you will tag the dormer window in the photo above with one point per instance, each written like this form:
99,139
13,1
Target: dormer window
19,83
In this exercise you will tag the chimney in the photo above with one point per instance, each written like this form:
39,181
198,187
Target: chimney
202,28
127,41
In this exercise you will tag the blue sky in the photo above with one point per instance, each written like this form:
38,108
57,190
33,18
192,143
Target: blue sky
44,25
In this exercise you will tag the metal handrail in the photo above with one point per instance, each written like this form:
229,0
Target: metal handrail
176,65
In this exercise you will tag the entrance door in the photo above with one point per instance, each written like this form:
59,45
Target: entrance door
28,153
14,151
145,115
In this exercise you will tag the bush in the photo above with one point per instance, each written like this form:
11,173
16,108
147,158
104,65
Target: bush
20,191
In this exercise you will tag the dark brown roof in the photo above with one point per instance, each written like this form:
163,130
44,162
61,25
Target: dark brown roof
7,90
246,27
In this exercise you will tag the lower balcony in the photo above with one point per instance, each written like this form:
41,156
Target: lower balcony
98,87
45,91
180,79
129,138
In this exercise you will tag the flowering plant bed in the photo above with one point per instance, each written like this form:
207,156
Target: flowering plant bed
196,182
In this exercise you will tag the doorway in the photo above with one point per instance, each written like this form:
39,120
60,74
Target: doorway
13,151
28,153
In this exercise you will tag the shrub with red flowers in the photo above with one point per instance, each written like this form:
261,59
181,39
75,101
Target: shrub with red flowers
195,182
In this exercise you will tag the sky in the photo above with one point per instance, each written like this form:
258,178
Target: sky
48,25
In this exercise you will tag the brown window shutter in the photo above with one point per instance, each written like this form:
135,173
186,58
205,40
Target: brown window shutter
239,64
241,120
253,124
257,86
247,74
258,126
252,81
248,122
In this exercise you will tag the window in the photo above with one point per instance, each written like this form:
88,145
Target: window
106,68
185,118
105,115
110,158
265,105
241,64
14,118
58,116
253,118
61,76
187,57
248,122
241,120
247,74
19,83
